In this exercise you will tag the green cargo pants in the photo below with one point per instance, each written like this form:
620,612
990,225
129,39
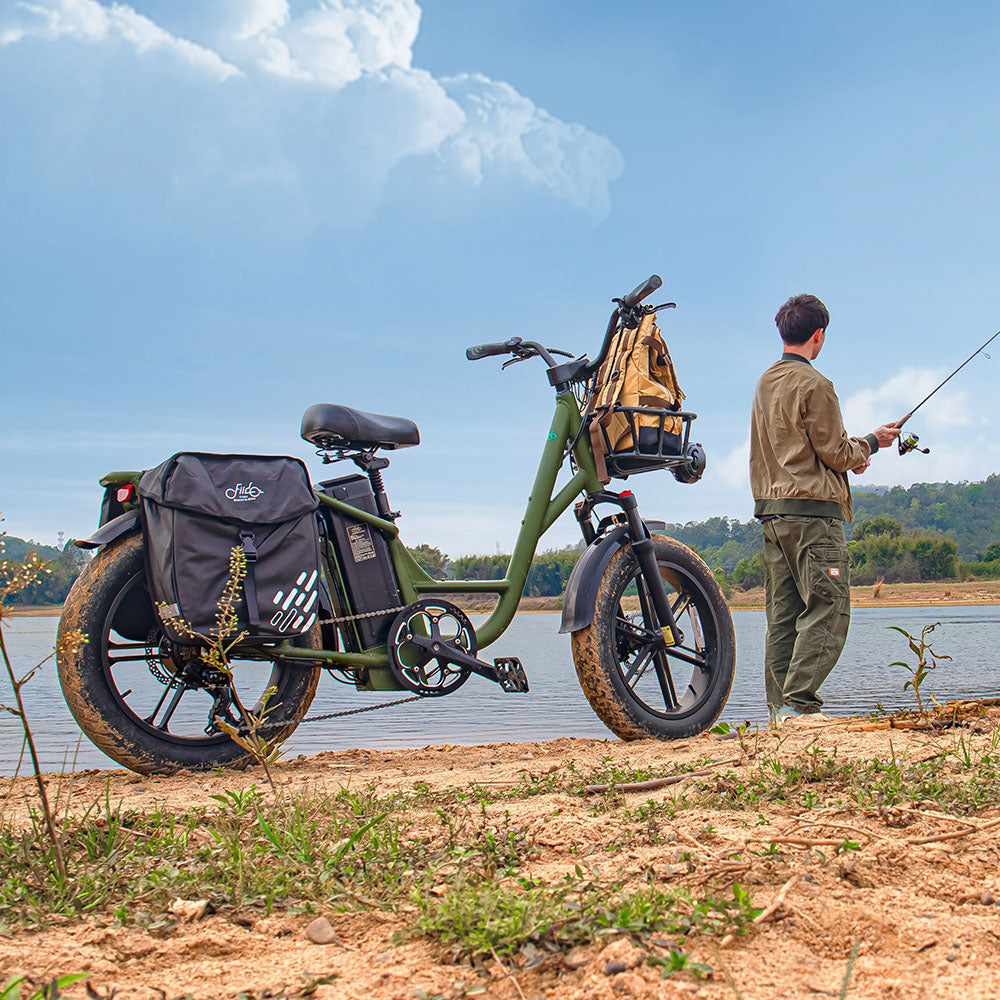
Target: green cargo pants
808,591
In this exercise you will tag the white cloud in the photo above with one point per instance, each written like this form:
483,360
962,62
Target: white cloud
503,127
734,467
332,42
867,409
961,448
91,22
343,70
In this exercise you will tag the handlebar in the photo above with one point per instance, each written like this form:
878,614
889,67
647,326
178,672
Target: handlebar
627,312
491,350
623,311
641,291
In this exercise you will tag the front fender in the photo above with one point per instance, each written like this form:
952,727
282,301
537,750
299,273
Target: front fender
115,528
581,590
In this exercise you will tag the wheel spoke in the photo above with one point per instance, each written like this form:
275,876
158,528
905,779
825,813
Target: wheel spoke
681,605
638,667
172,707
680,653
126,659
152,715
666,680
631,631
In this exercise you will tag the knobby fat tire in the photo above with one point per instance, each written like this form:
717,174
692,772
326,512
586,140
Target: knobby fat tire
598,666
100,714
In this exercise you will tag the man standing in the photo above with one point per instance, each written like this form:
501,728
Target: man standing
799,458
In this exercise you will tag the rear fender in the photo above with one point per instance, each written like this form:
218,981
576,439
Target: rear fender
581,590
118,526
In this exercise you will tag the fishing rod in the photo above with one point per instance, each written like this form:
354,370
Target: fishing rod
909,443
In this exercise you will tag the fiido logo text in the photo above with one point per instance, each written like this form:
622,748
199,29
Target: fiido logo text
241,494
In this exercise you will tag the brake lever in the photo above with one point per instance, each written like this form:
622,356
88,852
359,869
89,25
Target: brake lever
515,360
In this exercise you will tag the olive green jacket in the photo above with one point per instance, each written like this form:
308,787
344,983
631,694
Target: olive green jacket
800,453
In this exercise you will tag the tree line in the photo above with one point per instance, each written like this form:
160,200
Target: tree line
57,576
547,577
929,531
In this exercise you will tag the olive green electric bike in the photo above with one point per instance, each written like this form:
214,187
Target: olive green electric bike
652,636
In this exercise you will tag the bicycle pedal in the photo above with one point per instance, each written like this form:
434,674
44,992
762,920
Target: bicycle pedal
510,674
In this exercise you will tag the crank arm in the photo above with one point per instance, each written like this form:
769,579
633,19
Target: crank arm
502,673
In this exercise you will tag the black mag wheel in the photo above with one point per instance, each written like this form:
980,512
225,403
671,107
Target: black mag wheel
636,688
150,705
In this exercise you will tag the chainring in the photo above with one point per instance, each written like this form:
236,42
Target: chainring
420,670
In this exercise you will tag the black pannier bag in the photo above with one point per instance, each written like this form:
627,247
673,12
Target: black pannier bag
197,508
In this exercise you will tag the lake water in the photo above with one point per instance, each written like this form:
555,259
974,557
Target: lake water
480,713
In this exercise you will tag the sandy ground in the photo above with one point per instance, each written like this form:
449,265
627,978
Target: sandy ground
922,915
897,595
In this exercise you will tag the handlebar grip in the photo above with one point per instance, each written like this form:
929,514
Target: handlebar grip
487,350
641,291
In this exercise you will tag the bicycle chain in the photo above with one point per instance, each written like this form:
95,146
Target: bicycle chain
366,614
336,715
348,711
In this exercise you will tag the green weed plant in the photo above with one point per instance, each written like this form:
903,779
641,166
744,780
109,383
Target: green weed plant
927,660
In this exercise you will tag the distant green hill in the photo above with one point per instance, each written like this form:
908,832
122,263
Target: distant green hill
61,569
18,548
966,513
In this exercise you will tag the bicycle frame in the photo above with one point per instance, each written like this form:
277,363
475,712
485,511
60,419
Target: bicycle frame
542,511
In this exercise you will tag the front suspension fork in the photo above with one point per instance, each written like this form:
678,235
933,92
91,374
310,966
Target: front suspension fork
642,545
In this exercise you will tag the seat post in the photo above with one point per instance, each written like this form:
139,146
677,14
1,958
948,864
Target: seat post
373,467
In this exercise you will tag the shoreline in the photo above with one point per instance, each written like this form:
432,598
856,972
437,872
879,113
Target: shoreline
929,595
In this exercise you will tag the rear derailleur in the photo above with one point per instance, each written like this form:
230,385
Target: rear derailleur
177,666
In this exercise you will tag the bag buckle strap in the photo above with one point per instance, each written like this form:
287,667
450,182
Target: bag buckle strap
249,583
249,549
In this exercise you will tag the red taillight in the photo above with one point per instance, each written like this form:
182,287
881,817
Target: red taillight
625,493
125,493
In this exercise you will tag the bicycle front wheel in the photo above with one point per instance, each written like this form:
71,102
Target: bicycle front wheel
638,689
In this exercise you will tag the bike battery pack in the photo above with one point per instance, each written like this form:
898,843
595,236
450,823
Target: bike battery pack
364,559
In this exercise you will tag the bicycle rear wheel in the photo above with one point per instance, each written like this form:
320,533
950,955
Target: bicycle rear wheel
149,705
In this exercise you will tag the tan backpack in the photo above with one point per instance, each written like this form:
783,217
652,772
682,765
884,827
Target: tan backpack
638,371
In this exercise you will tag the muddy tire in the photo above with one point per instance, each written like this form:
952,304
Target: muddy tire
125,670
636,691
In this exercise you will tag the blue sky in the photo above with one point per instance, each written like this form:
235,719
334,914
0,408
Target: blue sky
215,213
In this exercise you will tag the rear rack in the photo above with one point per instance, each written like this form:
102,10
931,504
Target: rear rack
657,448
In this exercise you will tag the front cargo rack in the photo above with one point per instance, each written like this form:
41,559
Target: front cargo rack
653,447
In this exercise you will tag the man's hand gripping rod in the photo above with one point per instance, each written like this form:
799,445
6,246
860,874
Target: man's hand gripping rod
909,443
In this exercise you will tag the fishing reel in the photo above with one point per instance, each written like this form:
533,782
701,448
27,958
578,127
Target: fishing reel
909,443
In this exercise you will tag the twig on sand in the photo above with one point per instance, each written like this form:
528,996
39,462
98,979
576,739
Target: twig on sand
777,903
806,841
930,814
509,975
920,725
727,870
954,834
648,786
768,912
806,823
687,838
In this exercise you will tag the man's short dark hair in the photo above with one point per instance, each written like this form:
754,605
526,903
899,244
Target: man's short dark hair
800,317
